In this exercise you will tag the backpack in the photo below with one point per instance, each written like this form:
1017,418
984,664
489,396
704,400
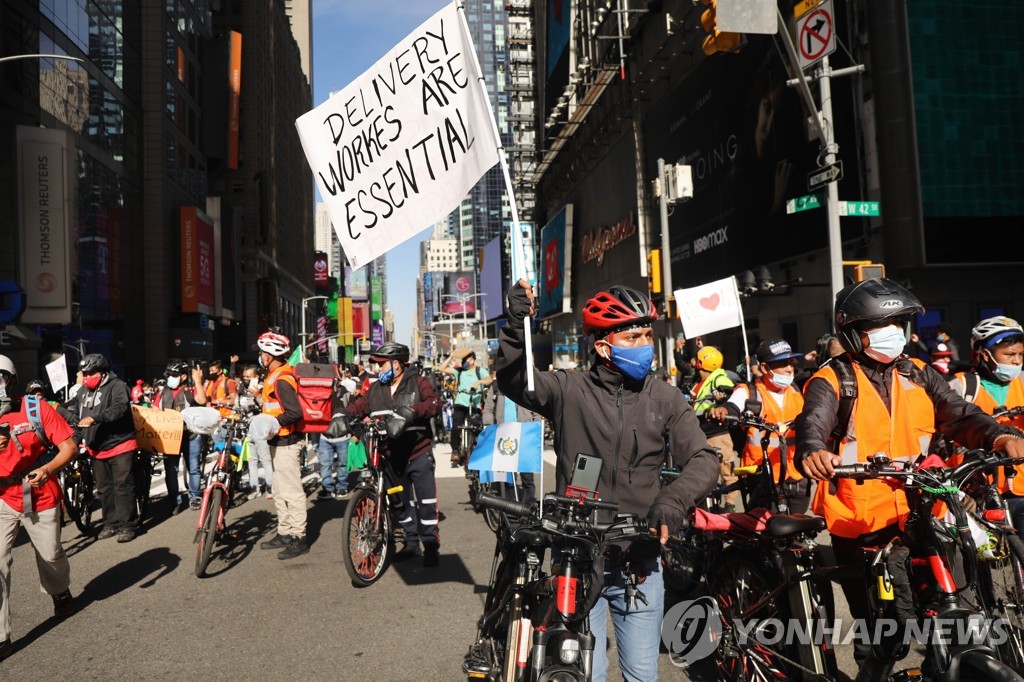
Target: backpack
36,420
315,385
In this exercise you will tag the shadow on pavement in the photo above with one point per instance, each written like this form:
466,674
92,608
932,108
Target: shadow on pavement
121,576
320,513
450,569
238,539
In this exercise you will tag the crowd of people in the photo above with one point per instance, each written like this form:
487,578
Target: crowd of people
872,386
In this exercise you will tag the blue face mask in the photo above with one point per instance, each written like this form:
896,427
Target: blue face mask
387,376
1006,373
633,363
886,344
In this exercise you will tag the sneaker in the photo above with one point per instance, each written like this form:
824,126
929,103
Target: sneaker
177,508
277,542
255,493
195,504
63,605
408,552
6,648
126,535
341,494
106,532
297,547
430,555
324,494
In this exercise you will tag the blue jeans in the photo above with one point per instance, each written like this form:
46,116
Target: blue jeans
325,452
195,453
1016,507
637,630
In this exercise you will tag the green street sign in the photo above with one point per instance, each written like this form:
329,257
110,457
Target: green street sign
860,209
804,203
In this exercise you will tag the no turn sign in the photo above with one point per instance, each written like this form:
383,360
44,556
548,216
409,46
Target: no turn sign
816,34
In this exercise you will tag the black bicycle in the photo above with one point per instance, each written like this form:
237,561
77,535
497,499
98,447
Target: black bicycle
535,625
368,526
79,486
917,576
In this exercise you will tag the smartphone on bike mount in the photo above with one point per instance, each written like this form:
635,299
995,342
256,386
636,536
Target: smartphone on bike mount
586,472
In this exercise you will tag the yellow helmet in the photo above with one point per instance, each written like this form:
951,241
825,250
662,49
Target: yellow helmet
709,359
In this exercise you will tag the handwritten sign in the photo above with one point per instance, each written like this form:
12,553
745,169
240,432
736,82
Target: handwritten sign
709,307
158,430
57,371
401,146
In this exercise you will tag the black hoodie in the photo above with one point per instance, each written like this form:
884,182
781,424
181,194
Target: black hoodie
625,423
110,408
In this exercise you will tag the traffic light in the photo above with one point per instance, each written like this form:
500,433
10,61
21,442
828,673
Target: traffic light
654,271
868,271
717,40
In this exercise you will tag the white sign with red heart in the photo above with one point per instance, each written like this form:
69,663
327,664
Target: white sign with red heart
709,307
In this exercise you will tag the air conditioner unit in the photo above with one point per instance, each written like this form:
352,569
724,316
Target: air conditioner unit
680,183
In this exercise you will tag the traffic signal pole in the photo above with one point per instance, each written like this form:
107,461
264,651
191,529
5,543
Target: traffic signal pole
826,133
666,266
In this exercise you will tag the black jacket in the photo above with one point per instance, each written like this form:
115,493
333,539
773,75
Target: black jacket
627,424
955,418
110,407
415,392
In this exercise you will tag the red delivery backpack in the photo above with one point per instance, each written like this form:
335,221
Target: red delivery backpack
316,384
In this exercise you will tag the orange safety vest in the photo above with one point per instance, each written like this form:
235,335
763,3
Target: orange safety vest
903,432
792,404
271,403
217,390
1014,398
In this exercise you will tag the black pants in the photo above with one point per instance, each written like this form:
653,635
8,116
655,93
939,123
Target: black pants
460,413
848,551
419,516
116,487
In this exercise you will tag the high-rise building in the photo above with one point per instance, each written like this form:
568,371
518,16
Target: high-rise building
300,16
326,240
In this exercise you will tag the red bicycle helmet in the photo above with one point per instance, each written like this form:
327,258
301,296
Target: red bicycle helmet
618,308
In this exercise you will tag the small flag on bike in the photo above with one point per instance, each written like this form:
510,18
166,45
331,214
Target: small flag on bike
509,447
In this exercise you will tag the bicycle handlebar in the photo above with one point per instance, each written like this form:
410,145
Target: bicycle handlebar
510,507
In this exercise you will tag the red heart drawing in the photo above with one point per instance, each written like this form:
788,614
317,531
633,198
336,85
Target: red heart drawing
711,302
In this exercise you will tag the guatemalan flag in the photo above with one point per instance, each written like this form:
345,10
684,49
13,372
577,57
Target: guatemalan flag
506,448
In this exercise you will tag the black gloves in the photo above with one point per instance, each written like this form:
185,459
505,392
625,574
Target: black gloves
518,304
670,516
397,423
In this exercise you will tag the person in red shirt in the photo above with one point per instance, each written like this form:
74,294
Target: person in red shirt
30,497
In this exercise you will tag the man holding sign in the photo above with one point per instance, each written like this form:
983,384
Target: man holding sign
622,415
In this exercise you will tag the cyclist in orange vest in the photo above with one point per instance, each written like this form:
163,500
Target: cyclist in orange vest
281,400
221,391
780,404
995,385
899,405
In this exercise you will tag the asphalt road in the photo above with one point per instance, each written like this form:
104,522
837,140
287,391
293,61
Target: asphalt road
146,616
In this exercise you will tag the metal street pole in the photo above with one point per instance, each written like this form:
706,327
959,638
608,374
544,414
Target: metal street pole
835,236
666,264
303,343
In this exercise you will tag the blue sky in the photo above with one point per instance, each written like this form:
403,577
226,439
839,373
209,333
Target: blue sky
349,36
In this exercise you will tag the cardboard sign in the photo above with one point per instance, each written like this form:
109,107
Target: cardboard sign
158,430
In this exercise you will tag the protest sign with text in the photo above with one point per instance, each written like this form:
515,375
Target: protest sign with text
158,430
402,145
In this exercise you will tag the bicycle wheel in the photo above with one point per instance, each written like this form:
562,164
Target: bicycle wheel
366,543
492,516
208,531
737,584
78,499
1005,584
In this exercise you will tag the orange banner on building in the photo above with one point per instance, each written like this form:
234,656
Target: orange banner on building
234,98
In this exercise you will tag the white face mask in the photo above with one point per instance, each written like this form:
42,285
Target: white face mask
782,381
173,382
886,344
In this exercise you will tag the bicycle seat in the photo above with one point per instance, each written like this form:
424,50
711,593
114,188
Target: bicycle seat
753,521
792,524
